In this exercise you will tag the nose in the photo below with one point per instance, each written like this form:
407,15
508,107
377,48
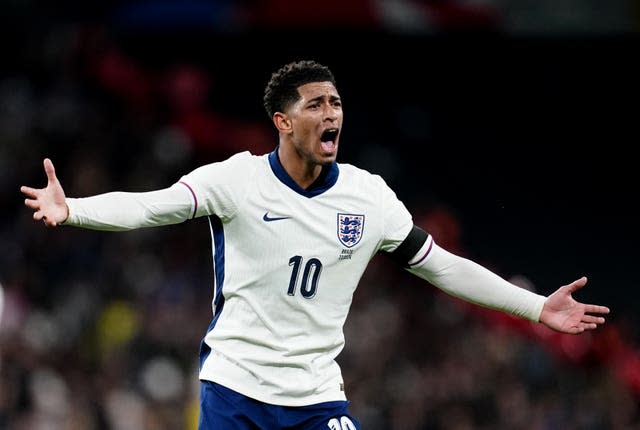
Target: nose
331,112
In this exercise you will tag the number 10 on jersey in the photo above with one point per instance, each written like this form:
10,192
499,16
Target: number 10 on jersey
310,276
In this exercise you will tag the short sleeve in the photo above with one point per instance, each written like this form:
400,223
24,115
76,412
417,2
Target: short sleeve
217,187
397,219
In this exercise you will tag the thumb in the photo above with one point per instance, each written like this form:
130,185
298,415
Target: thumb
49,170
576,285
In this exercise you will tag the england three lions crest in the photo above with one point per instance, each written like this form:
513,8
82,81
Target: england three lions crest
350,229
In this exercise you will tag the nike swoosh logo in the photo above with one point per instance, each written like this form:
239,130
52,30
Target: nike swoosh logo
267,218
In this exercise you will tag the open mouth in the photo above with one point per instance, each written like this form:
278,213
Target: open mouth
328,140
329,135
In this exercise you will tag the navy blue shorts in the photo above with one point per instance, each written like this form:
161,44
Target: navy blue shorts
222,408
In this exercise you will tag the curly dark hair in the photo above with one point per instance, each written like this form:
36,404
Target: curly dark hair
282,90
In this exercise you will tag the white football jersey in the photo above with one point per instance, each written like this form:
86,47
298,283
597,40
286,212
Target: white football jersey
286,264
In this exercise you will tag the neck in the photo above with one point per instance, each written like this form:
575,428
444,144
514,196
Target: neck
304,173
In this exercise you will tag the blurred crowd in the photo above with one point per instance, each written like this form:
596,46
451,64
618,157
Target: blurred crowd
101,330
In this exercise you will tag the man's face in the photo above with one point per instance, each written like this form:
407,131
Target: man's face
316,120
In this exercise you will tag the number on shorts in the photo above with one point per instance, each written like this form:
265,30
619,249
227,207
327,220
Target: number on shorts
344,424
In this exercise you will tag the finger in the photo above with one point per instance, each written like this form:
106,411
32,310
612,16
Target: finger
592,319
32,204
29,192
576,329
50,170
37,216
588,326
595,309
577,284
49,222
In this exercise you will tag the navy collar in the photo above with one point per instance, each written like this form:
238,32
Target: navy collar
328,177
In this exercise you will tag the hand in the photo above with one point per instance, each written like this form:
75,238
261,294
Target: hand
564,314
48,203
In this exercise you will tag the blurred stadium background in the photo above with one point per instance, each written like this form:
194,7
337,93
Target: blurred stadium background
508,128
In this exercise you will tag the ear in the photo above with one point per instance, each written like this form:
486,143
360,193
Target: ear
282,122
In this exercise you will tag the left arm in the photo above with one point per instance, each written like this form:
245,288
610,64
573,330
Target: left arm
467,280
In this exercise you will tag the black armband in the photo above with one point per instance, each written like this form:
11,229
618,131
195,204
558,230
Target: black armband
409,246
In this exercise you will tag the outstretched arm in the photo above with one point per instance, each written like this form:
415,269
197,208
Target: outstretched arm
114,211
561,312
474,283
48,203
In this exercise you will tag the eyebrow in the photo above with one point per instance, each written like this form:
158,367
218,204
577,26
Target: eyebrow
320,98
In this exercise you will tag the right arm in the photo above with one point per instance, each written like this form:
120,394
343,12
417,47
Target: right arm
115,211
